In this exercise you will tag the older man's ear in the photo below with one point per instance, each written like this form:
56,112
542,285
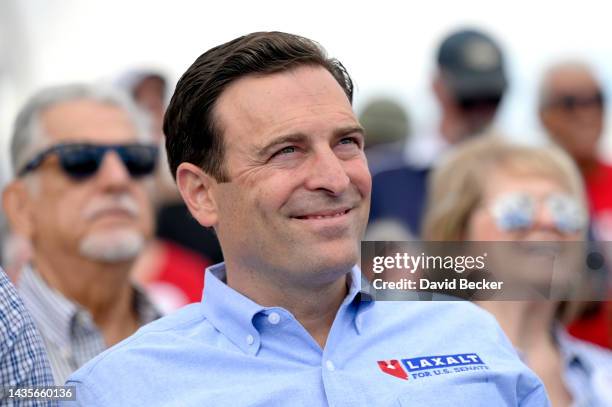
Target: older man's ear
17,207
197,189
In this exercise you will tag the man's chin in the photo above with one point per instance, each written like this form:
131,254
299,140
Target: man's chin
112,246
333,262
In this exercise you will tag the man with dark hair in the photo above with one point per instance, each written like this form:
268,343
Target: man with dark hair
192,133
266,149
469,84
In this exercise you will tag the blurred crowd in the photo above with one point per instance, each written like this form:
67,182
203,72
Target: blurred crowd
81,150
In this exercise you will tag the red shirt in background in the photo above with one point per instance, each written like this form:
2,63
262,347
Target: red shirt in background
173,276
597,327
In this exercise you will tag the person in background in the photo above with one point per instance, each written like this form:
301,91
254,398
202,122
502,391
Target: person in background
171,268
387,127
266,149
469,85
148,88
16,253
572,112
489,190
23,360
81,156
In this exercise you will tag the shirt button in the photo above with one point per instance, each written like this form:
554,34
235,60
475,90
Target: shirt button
250,339
274,318
330,366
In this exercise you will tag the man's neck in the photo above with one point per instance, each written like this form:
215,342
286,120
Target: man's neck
314,306
103,289
451,129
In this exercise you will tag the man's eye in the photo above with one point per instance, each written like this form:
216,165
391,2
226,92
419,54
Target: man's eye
284,151
349,140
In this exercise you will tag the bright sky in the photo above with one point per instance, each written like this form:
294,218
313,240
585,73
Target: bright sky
387,46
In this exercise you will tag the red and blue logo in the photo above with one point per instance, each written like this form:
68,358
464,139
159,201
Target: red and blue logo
427,366
393,368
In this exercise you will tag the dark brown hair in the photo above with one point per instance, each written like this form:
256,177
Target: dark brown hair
192,135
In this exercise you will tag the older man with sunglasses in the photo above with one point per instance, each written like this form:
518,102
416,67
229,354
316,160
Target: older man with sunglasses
81,156
572,108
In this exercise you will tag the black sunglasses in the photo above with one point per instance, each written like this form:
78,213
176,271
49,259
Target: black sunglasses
572,102
80,161
479,102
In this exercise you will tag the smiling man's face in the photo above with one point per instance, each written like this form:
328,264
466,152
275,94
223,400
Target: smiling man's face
299,191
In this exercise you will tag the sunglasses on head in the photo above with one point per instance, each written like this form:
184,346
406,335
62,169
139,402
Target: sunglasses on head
517,211
80,161
573,102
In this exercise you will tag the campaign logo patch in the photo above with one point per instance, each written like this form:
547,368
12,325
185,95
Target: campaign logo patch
393,368
427,366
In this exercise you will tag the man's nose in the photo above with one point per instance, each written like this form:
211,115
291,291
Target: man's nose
112,171
327,172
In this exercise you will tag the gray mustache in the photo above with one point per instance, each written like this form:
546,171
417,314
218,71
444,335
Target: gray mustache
123,202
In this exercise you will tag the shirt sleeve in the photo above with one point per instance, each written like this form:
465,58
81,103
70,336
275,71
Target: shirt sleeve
23,359
85,397
537,398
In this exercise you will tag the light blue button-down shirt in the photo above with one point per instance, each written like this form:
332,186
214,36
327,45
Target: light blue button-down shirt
229,351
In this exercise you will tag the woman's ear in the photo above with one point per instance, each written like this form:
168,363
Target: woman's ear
196,188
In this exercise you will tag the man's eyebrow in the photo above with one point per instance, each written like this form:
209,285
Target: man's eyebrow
343,131
264,150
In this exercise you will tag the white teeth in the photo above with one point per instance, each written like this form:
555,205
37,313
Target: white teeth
334,215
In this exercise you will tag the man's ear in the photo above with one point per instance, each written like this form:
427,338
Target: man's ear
17,207
196,188
441,91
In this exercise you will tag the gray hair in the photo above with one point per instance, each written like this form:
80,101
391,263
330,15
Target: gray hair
28,134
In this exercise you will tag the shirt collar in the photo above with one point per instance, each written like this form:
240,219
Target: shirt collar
358,296
56,315
570,353
232,313
582,364
52,311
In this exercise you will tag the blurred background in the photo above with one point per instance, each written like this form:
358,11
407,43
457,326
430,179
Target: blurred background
403,98
388,48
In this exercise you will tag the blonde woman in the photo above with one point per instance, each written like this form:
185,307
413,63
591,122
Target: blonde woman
490,190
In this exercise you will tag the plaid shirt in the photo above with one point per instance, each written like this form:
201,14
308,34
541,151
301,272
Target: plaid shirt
23,361
68,330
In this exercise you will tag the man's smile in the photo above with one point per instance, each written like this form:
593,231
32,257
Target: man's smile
324,214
